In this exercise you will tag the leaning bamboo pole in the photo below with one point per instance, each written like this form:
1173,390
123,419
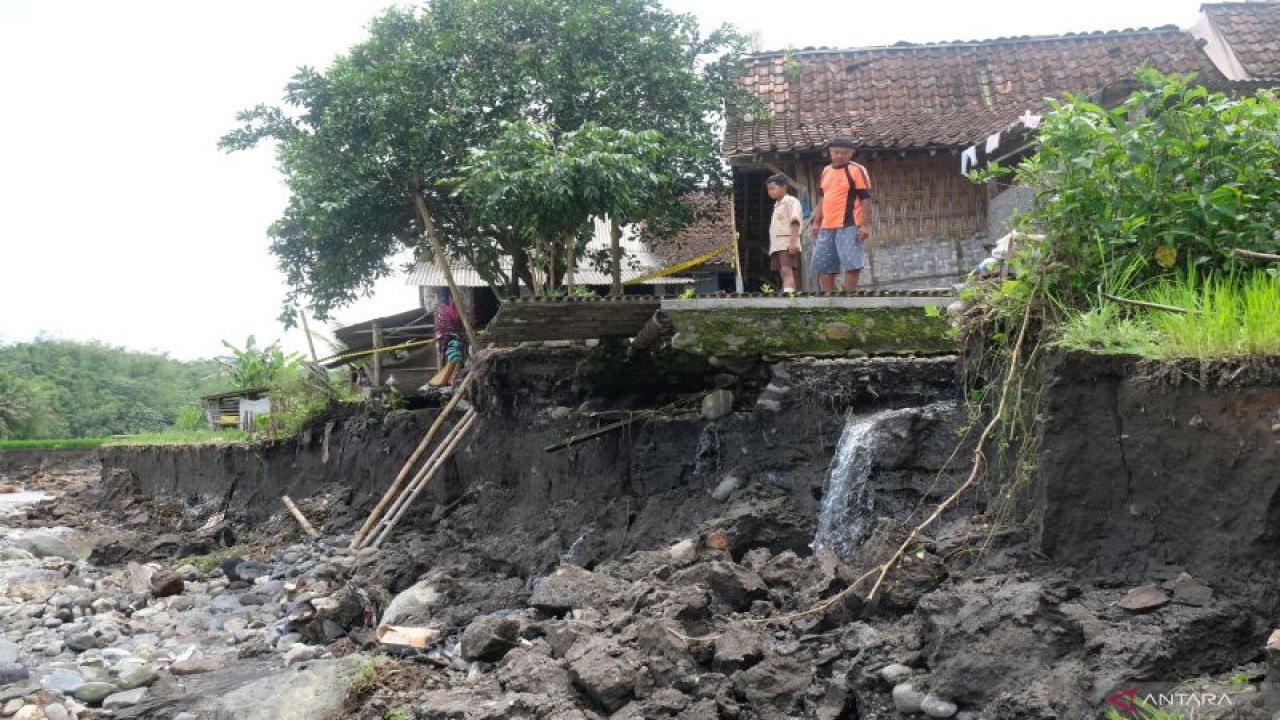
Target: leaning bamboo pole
442,260
398,483
424,476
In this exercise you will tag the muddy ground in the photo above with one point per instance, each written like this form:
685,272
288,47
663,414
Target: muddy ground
666,570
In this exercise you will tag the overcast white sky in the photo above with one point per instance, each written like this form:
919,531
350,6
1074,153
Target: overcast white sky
120,220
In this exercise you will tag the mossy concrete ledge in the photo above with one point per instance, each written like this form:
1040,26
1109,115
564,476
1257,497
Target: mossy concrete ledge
921,329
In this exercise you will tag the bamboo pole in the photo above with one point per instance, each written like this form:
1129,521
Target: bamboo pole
1143,304
396,484
302,519
377,353
424,476
442,260
311,344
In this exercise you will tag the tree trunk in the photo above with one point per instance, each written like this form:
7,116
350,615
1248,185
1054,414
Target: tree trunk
570,245
424,214
615,250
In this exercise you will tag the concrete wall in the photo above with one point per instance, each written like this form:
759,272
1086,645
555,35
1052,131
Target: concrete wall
1002,207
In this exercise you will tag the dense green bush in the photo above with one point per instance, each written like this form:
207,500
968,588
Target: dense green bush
1175,177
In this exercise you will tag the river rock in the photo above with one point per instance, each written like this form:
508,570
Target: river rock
93,693
126,699
937,707
30,712
251,570
83,641
137,677
895,673
165,583
726,488
11,672
56,711
300,653
11,707
1144,599
717,404
228,567
140,578
906,698
63,680
9,652
684,552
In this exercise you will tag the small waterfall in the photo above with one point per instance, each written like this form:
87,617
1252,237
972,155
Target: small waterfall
706,457
847,504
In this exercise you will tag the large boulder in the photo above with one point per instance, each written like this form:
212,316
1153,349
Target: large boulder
415,606
603,670
731,583
302,692
44,544
571,587
488,638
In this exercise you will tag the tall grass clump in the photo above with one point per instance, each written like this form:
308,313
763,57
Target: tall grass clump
1227,316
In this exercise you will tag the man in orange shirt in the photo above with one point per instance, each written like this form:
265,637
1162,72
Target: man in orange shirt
840,222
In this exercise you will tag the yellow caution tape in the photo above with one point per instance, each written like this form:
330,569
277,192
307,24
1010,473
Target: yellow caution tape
671,270
360,353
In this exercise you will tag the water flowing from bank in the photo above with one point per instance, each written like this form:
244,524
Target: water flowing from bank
848,504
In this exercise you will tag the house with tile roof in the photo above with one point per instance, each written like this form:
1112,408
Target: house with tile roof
912,109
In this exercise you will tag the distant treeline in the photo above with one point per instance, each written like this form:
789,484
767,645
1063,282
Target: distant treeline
66,389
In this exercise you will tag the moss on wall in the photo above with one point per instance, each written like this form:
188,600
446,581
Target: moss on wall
759,331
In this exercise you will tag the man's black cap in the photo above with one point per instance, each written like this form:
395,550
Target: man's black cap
842,142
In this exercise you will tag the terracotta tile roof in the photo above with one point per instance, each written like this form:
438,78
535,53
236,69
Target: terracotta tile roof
1252,29
940,95
713,230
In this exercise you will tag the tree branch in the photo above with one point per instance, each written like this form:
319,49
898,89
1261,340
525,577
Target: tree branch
1251,255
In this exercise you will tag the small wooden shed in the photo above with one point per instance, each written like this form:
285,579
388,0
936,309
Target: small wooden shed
236,408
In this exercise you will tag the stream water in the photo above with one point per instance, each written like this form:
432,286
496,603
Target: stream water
13,502
848,504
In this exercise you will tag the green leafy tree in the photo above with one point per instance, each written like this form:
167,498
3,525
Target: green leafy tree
256,367
554,185
371,149
60,388
26,408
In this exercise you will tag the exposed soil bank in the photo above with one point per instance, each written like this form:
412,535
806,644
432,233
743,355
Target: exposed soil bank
664,570
1144,466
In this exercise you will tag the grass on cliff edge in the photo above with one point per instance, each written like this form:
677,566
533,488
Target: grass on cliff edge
1226,317
183,437
52,444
